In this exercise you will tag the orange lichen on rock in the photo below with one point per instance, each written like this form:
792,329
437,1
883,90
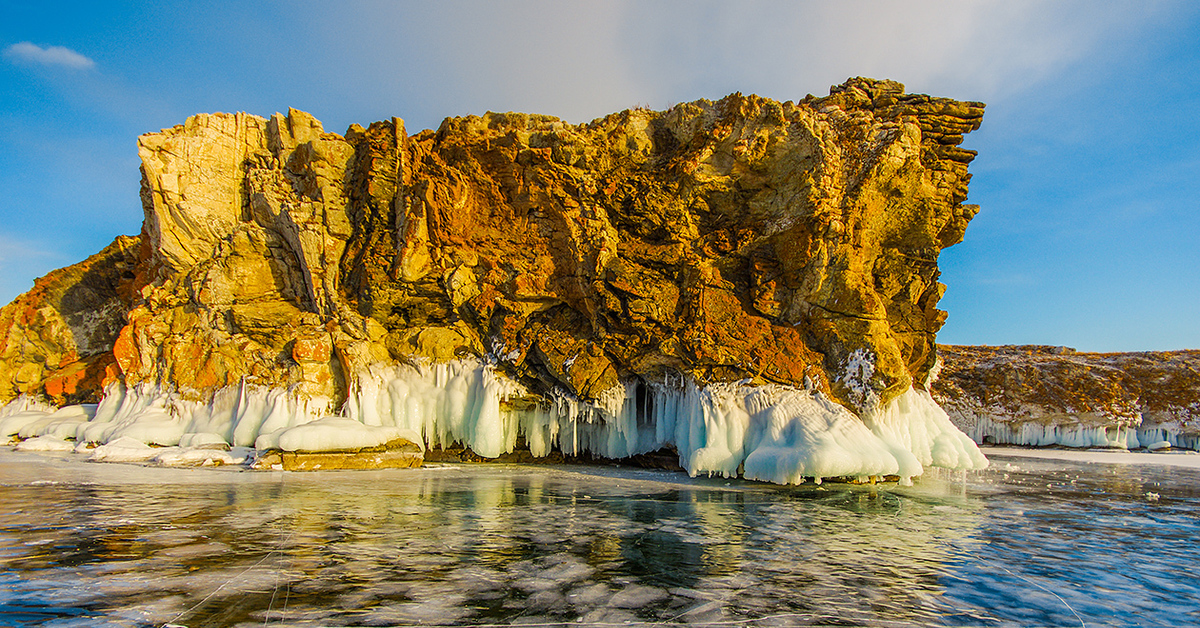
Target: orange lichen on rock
57,339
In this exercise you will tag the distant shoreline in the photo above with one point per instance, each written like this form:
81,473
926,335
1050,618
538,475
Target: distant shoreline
1184,458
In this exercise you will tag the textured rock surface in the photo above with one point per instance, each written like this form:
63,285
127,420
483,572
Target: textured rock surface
992,393
794,243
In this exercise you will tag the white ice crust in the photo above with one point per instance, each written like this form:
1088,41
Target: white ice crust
771,433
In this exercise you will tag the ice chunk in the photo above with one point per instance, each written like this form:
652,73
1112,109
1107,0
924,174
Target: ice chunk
45,443
20,412
190,457
154,426
235,415
61,423
24,403
332,434
805,435
916,424
12,424
143,414
124,449
444,403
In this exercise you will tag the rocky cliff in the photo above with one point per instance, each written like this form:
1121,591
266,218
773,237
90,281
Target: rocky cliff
746,240
1041,395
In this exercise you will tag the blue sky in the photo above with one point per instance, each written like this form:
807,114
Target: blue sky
1088,174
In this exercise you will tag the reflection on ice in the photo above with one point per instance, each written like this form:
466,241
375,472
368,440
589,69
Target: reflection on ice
508,544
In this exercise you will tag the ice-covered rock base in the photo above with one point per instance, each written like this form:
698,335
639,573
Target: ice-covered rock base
1039,395
770,433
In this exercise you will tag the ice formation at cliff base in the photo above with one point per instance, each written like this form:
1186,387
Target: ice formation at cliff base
770,433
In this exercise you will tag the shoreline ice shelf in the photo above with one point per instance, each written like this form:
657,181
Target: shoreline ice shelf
770,433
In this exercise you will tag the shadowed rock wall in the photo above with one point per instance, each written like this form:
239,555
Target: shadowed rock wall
56,340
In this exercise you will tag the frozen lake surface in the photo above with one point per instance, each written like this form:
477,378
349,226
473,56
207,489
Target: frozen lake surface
1030,541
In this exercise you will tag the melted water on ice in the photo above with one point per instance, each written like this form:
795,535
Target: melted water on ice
1027,542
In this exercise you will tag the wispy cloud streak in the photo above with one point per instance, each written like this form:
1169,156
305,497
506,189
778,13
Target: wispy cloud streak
51,55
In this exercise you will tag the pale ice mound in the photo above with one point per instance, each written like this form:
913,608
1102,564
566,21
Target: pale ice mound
21,412
123,449
235,416
920,433
127,449
45,443
771,433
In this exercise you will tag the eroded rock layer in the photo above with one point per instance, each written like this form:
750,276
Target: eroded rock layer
1043,395
743,239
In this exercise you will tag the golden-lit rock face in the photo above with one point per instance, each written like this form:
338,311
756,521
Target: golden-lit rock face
794,243
395,454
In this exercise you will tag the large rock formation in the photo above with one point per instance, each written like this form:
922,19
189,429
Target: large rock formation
1042,395
743,240
739,239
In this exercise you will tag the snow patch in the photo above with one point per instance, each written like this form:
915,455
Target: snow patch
857,374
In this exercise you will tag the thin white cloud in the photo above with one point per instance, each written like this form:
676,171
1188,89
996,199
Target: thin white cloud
50,55
461,56
14,250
